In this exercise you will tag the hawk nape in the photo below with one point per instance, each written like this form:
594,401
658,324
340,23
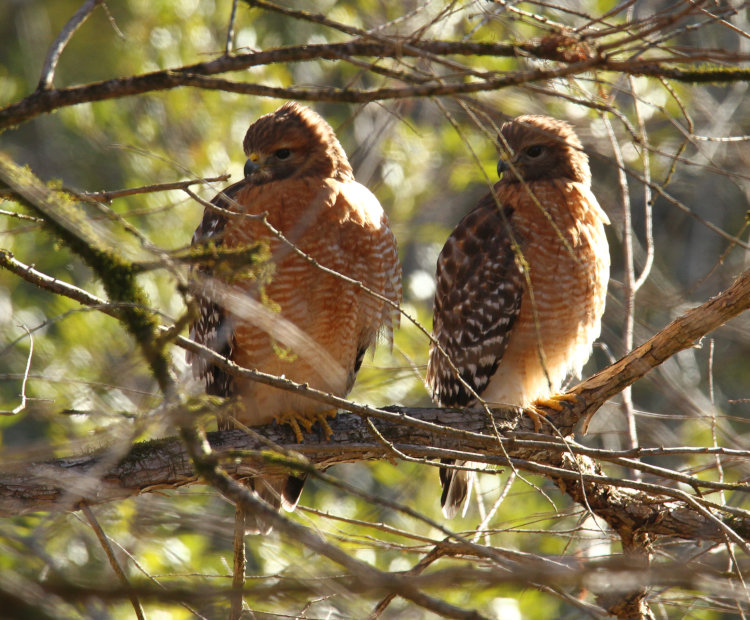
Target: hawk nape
300,321
521,282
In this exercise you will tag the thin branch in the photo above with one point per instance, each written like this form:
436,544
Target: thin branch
22,405
109,196
460,577
18,216
113,562
647,197
230,29
57,47
350,95
396,44
53,285
629,291
417,569
44,101
240,564
201,456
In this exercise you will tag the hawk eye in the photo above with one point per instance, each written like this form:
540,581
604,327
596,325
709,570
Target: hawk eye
535,151
283,153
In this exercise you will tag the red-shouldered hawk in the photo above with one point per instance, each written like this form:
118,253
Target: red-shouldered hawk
300,321
521,281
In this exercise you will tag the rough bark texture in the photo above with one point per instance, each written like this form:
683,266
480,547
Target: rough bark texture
63,484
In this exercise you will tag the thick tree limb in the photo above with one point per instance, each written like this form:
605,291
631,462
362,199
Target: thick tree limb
62,484
627,506
680,334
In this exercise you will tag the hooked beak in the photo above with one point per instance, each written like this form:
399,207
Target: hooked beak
252,165
502,166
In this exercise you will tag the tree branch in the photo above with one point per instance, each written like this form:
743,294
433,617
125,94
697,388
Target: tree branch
554,49
422,433
55,51
63,484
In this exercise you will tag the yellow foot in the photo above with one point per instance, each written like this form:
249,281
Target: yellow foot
321,417
293,420
553,401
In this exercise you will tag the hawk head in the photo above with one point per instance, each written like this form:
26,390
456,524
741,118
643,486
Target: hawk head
293,142
540,147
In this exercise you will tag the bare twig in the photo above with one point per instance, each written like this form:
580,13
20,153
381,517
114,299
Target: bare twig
22,405
56,49
113,562
244,499
109,196
18,216
240,564
230,29
629,289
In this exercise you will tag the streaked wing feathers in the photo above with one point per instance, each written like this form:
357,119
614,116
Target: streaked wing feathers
478,298
212,327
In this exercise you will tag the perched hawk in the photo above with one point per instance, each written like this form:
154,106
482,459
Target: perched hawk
300,320
521,281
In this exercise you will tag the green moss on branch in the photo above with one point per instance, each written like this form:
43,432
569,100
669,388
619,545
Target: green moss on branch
68,224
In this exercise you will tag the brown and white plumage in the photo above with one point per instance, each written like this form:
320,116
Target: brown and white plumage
521,281
298,321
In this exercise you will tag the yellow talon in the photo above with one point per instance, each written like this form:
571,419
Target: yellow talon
292,420
553,401
535,415
321,417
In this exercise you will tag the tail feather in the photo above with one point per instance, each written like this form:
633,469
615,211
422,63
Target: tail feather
456,489
278,492
292,491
